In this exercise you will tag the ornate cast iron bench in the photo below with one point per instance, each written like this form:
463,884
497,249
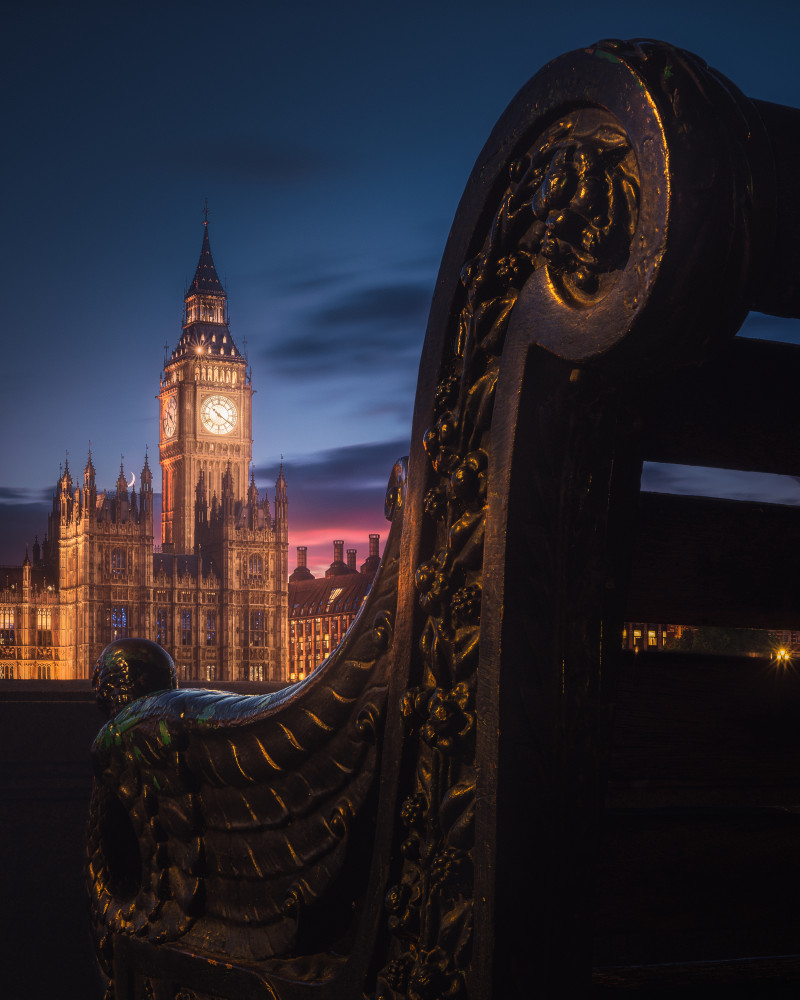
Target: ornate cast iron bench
420,818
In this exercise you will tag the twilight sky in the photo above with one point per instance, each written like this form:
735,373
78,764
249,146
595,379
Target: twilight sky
332,141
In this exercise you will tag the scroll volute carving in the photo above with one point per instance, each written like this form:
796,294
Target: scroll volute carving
611,230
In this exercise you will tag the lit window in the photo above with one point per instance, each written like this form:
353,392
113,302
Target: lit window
44,625
7,629
651,638
115,624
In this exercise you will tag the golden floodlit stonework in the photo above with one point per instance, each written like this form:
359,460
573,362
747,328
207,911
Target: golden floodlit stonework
215,596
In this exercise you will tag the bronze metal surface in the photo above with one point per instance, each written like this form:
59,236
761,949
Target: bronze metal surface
420,818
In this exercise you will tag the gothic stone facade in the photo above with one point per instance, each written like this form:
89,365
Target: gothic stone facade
216,595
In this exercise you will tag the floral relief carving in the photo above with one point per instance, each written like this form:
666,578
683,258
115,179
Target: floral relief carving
570,206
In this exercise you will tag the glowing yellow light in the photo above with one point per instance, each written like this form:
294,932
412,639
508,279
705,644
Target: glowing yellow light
782,657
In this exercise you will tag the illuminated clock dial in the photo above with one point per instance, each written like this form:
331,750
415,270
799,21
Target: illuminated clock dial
218,414
170,418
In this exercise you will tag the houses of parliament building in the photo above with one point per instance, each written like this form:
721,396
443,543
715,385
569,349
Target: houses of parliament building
216,595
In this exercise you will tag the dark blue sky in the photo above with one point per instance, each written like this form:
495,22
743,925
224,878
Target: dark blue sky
332,142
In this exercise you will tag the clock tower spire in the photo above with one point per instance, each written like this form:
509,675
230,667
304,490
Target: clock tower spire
205,406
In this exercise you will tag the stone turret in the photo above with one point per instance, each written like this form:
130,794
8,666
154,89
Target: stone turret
147,489
280,499
65,495
89,489
200,502
227,494
252,502
122,496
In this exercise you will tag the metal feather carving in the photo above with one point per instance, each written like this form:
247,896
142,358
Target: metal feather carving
218,820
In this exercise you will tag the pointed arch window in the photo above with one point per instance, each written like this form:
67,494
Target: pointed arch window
255,567
162,628
115,622
118,563
255,622
44,627
7,627
186,627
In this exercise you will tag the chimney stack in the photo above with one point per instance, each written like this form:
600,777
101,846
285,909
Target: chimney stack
302,572
337,567
370,566
351,560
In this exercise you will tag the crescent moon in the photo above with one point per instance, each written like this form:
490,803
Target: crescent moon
133,480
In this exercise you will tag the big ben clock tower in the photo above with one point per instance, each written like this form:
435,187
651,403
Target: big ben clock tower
205,409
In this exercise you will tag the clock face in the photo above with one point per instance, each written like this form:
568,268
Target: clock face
170,418
218,414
